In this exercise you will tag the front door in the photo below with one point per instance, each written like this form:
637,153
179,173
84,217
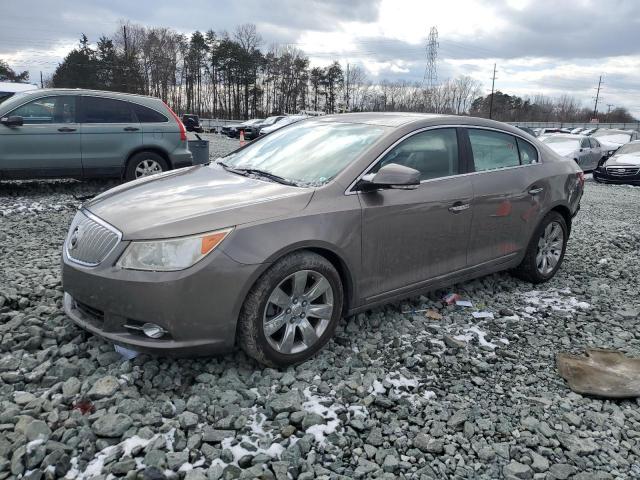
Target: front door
110,132
47,145
411,236
508,190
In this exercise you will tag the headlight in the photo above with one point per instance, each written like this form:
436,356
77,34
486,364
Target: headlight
171,254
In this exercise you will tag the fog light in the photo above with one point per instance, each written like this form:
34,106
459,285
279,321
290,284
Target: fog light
152,330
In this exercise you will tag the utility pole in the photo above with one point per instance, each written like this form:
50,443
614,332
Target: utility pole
595,108
493,84
41,82
347,90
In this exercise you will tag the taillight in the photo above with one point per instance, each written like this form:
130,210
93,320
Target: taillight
581,178
183,131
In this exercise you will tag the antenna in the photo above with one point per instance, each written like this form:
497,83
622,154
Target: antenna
431,71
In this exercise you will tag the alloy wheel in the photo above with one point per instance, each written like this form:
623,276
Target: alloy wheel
148,167
298,312
549,248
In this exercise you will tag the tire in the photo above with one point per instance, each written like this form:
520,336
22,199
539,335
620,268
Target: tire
530,269
143,160
259,310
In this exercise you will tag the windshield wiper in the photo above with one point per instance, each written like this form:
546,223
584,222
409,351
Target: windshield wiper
265,174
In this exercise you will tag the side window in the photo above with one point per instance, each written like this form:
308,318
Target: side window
493,150
48,110
148,115
434,153
584,143
594,143
106,110
528,153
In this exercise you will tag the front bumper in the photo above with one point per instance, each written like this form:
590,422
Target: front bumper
602,175
198,307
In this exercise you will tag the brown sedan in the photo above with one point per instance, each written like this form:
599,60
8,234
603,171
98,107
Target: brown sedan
271,245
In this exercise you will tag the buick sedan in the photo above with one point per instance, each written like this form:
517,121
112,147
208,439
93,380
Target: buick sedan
270,246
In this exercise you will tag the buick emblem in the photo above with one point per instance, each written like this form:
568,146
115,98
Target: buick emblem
76,234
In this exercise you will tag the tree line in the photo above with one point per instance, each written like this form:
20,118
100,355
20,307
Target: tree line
232,75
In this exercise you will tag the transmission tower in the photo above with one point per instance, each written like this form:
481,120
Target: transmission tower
431,71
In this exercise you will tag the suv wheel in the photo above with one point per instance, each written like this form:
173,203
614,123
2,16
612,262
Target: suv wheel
292,310
545,251
143,164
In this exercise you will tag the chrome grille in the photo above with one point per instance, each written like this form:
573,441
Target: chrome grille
90,240
622,171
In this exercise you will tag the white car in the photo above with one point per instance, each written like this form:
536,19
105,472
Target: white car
585,151
612,140
288,120
8,89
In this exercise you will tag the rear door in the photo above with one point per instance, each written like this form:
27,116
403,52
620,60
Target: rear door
596,151
47,145
110,132
411,236
509,189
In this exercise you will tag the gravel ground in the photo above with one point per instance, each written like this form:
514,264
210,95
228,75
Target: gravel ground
399,393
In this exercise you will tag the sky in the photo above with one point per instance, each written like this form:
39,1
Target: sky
552,47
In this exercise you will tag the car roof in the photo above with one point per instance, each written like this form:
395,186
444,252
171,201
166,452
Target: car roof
81,91
568,135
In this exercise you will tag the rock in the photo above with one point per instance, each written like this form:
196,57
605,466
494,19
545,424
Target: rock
375,437
37,430
515,470
562,471
196,474
112,425
312,419
539,463
390,464
188,420
104,387
286,402
211,435
123,466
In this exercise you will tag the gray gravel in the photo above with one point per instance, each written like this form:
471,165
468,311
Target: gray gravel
434,394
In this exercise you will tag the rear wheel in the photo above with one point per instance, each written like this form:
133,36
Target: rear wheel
143,164
292,310
545,251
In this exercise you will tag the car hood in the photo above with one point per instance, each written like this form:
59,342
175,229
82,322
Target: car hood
624,159
609,145
194,200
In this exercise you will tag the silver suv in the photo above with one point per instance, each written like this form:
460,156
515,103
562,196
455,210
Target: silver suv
87,134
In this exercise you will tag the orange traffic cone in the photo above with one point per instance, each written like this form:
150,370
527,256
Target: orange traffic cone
242,142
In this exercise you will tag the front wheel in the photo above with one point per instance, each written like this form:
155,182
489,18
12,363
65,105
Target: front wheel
292,310
546,250
143,164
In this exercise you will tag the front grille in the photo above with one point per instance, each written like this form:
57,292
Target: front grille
622,171
90,241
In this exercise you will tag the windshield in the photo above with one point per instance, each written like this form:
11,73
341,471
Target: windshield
270,120
629,149
616,137
308,153
4,96
562,142
251,122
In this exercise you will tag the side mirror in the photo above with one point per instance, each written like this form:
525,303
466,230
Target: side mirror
391,175
13,121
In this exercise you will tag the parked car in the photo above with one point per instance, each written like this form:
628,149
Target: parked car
622,167
585,151
192,123
589,131
577,130
85,134
288,120
528,130
271,245
612,139
8,89
253,131
233,130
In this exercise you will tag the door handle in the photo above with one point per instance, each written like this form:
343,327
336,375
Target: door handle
131,129
459,207
66,129
535,190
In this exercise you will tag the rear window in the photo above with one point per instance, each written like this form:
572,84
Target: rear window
148,115
493,150
528,153
106,110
